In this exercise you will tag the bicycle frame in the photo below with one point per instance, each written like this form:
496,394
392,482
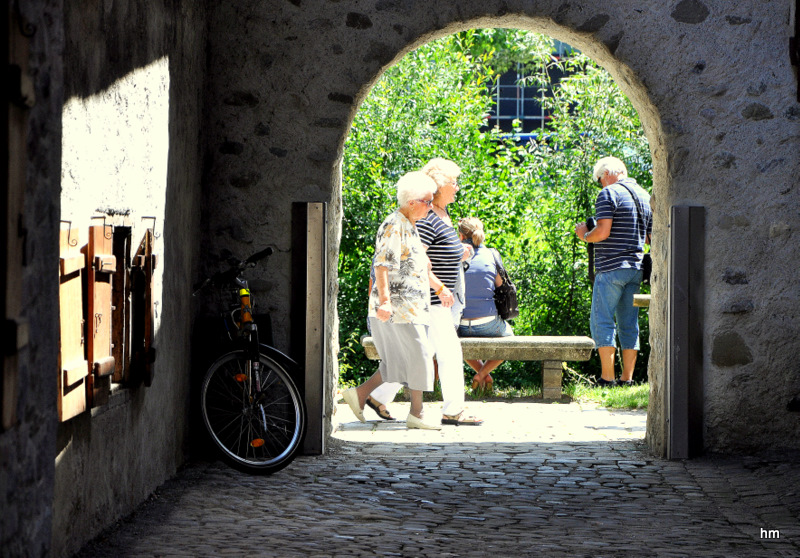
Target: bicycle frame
251,406
242,329
248,331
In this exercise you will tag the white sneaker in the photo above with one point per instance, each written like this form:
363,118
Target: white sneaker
350,397
414,422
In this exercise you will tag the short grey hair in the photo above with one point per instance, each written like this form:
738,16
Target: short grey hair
442,171
610,165
414,185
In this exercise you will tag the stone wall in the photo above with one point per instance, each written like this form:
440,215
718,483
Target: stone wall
268,90
132,154
27,460
716,94
121,89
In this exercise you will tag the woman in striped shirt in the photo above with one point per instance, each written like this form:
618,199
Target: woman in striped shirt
446,252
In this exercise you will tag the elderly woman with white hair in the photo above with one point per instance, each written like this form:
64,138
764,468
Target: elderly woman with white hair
399,303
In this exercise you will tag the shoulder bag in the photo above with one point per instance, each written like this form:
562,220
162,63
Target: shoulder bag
647,262
505,296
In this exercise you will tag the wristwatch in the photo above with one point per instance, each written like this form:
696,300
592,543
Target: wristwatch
585,235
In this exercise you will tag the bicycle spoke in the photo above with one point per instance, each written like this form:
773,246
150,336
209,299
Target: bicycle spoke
263,433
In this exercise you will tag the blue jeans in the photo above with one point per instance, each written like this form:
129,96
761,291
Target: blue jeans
612,300
496,328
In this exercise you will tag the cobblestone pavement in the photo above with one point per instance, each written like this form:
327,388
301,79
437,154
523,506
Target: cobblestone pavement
535,480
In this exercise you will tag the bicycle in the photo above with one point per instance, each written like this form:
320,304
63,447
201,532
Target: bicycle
251,407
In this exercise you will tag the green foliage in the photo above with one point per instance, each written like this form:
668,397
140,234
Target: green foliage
620,397
434,103
510,49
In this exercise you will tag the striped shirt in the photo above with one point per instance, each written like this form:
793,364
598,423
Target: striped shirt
444,250
624,246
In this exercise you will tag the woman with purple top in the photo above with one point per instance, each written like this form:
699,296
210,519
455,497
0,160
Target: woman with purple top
480,318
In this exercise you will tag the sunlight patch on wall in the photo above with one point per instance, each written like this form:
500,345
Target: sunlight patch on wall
115,150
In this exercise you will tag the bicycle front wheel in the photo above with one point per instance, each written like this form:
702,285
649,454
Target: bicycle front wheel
257,420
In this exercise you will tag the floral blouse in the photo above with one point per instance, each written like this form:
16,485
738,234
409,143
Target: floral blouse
399,249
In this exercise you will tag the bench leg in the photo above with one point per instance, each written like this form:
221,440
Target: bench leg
551,379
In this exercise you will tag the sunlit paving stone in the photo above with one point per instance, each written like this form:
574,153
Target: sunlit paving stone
518,422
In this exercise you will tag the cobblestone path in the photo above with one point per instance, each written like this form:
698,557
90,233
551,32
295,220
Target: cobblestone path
535,480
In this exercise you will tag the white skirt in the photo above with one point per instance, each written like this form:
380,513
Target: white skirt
406,354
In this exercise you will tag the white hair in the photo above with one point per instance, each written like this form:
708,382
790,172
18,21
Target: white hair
610,165
443,171
414,185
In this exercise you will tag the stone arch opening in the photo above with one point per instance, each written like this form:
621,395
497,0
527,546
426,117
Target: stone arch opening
716,129
603,53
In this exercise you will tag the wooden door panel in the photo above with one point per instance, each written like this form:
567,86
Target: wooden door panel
121,305
73,367
100,253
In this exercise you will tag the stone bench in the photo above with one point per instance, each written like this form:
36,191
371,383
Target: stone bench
550,350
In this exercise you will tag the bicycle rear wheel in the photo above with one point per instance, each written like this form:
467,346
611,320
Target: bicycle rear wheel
257,430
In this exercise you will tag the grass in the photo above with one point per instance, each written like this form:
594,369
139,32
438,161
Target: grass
578,388
582,388
622,397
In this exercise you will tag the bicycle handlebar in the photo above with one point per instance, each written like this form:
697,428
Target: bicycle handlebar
258,256
236,267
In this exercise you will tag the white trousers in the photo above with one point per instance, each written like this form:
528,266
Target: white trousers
384,393
446,345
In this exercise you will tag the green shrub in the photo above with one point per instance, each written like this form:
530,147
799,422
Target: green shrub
434,103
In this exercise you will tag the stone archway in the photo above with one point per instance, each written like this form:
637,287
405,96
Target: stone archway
636,91
290,108
264,95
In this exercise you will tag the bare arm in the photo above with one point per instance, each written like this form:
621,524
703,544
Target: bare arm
384,311
597,234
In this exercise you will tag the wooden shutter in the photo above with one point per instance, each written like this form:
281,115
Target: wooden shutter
121,305
73,368
101,267
142,269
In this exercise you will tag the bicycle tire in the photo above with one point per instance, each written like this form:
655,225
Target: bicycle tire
235,421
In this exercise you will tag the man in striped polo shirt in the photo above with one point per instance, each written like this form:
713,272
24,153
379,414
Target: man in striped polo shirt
624,224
